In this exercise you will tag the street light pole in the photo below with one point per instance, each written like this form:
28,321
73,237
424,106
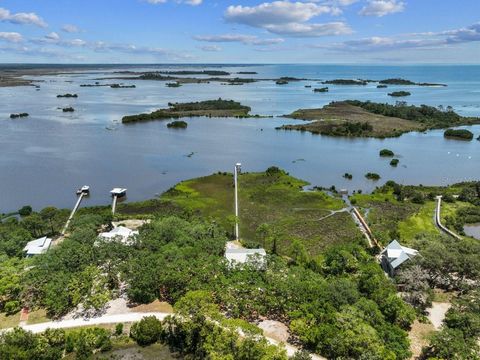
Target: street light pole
238,168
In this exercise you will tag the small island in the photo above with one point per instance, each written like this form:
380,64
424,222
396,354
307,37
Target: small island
281,82
399,93
247,72
175,84
346,82
321,90
67,96
353,118
459,134
348,176
119,86
178,124
68,109
381,86
209,108
399,81
372,176
19,115
394,162
386,153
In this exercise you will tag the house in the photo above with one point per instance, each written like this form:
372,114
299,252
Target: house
395,255
243,256
118,192
38,246
119,233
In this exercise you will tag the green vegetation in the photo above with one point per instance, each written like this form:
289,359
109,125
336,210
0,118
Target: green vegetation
382,86
386,153
281,82
119,86
177,125
460,134
346,82
19,115
175,84
321,90
67,96
372,176
274,210
348,176
247,72
210,108
68,109
196,72
347,119
399,93
398,81
19,344
394,162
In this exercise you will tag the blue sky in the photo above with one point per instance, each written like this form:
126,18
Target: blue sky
240,31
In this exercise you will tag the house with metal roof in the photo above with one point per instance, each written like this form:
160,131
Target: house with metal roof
37,247
394,255
243,256
119,233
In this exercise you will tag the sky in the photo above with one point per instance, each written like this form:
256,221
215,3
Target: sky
240,31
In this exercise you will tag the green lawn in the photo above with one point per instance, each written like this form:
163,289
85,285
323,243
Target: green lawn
420,223
278,200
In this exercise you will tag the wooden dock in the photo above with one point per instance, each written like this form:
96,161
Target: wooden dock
72,214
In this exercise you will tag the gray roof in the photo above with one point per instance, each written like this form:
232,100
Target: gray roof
398,254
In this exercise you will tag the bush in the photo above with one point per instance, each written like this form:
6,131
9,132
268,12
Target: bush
372,176
394,162
25,211
12,307
147,331
119,329
386,153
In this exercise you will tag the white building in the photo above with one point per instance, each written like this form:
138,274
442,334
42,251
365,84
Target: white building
121,234
395,255
38,246
243,256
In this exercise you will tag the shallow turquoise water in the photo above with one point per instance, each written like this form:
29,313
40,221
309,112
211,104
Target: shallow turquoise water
45,157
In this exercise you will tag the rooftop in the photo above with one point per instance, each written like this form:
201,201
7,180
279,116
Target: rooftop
38,246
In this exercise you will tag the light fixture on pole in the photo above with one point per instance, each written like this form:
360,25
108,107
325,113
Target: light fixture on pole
238,168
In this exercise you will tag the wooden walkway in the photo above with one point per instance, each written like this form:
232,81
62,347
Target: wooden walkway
438,221
72,214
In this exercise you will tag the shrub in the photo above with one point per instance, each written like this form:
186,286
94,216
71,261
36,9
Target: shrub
119,329
386,153
147,331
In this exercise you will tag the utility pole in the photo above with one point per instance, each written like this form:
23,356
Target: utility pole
238,168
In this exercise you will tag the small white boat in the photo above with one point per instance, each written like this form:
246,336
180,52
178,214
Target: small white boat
118,192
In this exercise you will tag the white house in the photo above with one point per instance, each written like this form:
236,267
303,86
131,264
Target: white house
395,255
243,256
119,233
38,246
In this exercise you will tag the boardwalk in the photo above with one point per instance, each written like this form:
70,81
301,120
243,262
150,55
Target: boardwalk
72,214
438,221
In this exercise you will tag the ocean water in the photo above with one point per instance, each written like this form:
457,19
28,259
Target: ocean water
45,157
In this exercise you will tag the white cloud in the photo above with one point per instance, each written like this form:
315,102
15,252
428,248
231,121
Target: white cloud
244,39
210,48
22,18
11,37
381,8
69,28
188,2
288,18
277,12
426,40
310,30
52,36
